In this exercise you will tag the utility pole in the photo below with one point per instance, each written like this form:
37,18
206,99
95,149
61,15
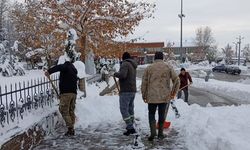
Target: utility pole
181,16
239,38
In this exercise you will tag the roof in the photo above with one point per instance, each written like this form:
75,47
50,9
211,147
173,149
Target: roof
146,45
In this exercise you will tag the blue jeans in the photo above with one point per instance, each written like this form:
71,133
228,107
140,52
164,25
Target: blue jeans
127,108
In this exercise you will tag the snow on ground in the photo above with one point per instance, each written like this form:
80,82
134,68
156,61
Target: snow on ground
214,128
32,74
20,125
235,90
202,128
244,81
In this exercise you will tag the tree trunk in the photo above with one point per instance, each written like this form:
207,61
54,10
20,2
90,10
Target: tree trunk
83,47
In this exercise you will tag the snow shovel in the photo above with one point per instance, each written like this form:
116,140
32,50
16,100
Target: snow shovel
177,114
116,84
166,123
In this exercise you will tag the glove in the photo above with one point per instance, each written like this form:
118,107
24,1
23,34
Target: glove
46,73
145,100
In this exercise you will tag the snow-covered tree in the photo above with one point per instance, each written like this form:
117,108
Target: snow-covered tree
3,10
9,65
98,22
228,53
205,40
246,52
37,30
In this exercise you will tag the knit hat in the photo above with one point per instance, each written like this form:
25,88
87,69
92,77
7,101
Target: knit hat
125,56
159,55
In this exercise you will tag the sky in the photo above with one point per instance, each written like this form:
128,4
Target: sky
227,18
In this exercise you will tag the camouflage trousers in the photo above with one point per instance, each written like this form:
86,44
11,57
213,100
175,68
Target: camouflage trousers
67,108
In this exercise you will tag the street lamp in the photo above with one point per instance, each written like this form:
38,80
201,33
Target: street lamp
181,16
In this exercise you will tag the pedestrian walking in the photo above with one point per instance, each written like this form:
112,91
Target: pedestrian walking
157,92
68,92
127,81
185,80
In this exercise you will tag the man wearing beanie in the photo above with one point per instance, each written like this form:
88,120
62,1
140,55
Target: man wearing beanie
127,80
157,92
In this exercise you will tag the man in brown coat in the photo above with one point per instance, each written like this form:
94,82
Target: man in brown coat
157,92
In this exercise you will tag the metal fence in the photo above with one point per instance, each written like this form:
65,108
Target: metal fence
19,98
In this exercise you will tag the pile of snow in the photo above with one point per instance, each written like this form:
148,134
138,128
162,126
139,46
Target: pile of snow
210,128
198,73
237,91
80,67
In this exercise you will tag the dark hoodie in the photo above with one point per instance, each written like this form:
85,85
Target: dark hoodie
68,77
127,76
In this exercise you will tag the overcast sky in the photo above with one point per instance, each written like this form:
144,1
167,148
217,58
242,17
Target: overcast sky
227,18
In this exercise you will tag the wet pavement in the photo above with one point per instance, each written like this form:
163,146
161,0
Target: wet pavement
109,137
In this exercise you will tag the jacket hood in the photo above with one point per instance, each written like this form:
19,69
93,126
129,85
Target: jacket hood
132,61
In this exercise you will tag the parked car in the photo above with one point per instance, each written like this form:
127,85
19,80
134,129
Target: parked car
233,70
220,68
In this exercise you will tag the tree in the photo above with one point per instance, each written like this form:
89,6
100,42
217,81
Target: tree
205,41
246,52
37,29
228,52
3,10
98,22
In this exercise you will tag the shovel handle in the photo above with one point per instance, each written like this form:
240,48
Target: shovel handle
116,84
53,86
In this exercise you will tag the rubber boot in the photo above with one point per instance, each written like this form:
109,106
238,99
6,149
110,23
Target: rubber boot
70,132
160,131
152,131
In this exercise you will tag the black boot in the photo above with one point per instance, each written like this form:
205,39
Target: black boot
70,132
160,131
152,131
129,131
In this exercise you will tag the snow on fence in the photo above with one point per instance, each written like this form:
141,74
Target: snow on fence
19,99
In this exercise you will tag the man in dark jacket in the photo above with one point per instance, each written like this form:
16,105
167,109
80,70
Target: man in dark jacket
127,80
184,78
68,92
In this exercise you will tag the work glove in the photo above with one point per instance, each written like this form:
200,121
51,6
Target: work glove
145,100
46,73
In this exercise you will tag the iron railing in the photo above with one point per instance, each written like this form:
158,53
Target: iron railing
19,98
